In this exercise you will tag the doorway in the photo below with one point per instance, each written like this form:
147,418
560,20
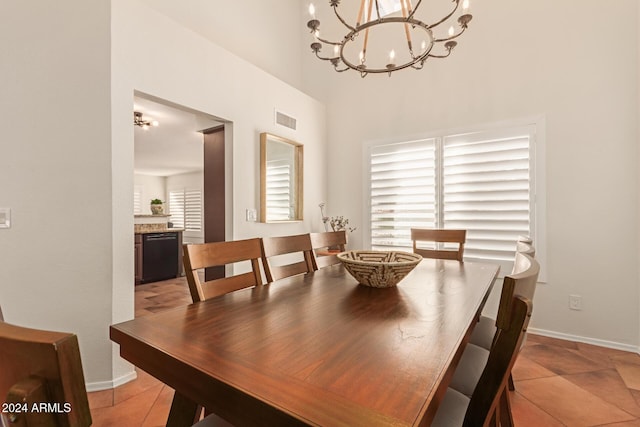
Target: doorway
182,162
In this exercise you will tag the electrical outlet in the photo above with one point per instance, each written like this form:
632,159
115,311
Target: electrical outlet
252,215
5,217
575,302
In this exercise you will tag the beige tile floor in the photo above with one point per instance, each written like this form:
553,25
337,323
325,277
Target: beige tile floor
558,383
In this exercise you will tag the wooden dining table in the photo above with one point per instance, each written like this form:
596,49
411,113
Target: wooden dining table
316,349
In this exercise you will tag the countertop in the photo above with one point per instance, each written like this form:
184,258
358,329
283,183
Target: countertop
168,230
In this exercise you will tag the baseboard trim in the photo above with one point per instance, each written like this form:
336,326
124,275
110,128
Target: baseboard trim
108,385
585,340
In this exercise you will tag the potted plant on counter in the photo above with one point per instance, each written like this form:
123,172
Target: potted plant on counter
157,207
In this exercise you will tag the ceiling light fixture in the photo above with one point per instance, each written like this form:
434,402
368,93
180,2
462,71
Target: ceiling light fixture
144,124
374,43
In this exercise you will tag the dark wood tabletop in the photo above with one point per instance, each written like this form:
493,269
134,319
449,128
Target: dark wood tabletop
317,349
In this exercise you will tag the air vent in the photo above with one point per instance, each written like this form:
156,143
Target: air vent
285,120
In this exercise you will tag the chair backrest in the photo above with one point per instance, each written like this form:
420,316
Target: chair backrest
493,381
522,282
526,248
436,237
283,245
330,240
204,255
42,368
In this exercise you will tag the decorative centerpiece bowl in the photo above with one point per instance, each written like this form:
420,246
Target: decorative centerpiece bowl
379,269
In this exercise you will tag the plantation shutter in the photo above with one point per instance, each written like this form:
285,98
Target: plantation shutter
193,210
402,186
185,208
487,190
176,208
279,190
137,200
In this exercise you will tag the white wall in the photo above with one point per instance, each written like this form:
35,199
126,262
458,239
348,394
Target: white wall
265,33
55,173
186,69
153,187
575,63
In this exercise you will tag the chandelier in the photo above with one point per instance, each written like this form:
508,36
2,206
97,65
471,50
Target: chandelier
382,39
144,124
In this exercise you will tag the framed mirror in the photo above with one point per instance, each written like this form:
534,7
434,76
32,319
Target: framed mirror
281,162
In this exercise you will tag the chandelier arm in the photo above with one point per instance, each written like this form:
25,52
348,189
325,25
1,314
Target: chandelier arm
439,56
328,41
455,36
457,2
413,12
335,10
377,8
325,59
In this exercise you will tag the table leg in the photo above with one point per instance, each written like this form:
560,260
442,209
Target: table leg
184,411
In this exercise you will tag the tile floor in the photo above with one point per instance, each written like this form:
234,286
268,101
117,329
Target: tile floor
558,383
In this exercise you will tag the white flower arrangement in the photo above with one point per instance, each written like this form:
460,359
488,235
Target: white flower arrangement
337,223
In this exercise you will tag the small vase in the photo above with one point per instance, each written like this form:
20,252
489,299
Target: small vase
157,209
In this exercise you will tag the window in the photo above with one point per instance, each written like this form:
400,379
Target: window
185,208
137,199
479,181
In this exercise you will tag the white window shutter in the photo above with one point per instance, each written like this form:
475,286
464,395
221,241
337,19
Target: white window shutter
402,185
487,190
176,208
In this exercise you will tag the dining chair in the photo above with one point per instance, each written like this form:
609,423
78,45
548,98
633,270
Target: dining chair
485,329
287,245
41,367
485,406
437,240
325,242
474,357
203,255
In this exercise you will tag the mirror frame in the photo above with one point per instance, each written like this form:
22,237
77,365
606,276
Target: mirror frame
298,158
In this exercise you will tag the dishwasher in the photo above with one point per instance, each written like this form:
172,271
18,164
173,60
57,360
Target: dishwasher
159,256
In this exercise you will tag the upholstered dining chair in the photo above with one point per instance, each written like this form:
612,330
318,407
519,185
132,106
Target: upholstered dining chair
324,242
203,255
474,357
435,238
485,329
287,245
486,405
42,367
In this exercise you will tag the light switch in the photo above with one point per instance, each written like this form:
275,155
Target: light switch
5,217
252,215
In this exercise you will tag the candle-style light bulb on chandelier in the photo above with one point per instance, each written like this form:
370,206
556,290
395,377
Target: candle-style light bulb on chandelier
392,27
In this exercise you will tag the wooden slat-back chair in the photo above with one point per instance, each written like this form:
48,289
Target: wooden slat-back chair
486,406
40,367
325,241
204,255
521,284
485,330
438,236
283,245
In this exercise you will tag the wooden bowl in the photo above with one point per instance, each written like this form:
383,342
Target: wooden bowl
379,269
